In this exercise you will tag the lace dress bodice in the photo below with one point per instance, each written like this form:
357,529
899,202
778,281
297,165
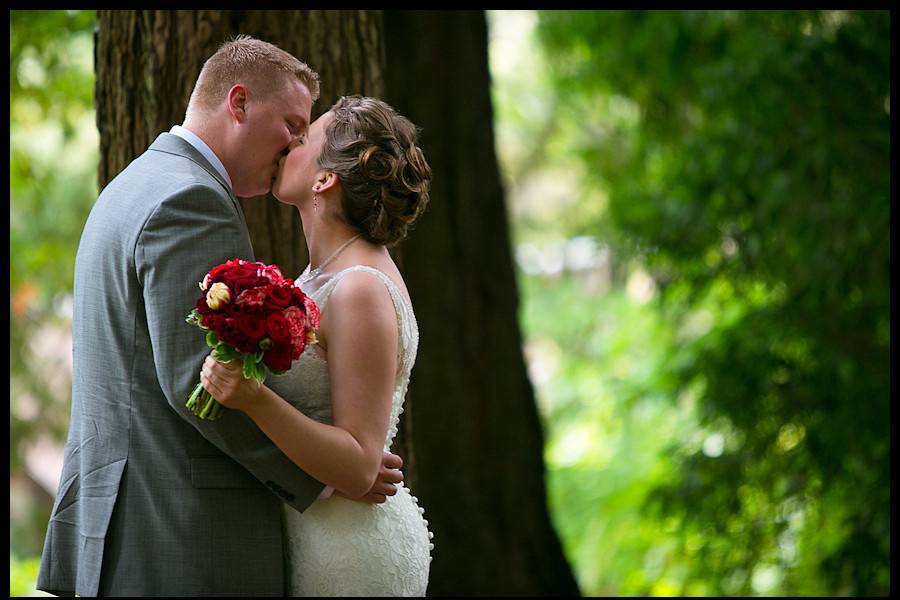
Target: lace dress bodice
338,546
307,383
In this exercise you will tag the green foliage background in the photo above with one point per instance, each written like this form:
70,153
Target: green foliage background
52,183
700,207
744,159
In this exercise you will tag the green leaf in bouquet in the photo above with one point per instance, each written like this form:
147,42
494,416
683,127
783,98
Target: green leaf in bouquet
249,367
224,353
195,319
211,339
260,375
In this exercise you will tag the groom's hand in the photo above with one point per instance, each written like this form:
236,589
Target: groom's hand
389,475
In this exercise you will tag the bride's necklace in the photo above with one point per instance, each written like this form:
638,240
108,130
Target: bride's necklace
307,274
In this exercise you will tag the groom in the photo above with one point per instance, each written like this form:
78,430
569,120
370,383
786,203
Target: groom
153,500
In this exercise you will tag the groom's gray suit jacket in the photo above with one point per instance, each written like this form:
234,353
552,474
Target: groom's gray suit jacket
153,500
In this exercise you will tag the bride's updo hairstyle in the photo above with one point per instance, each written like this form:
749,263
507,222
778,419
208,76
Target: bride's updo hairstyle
383,173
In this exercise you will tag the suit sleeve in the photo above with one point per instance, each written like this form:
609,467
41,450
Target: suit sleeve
190,232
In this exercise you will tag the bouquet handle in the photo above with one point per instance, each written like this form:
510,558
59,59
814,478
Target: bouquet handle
202,404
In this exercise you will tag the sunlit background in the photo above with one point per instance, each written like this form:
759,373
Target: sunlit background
700,212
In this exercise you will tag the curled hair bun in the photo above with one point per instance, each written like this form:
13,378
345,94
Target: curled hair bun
384,175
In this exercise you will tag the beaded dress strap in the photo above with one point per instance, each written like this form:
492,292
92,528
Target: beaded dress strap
407,342
329,286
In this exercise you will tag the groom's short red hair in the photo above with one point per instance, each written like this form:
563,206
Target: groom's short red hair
262,66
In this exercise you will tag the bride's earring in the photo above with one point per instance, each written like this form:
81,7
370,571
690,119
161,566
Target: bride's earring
316,203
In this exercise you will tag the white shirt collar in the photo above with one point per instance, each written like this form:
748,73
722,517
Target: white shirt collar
194,140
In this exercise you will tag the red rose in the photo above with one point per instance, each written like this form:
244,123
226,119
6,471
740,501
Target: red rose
216,272
278,296
241,284
241,276
278,358
232,335
226,332
214,322
224,271
297,296
202,307
252,327
279,328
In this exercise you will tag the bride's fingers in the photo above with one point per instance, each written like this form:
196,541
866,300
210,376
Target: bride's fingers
392,461
207,377
232,366
218,373
383,489
212,383
205,382
390,475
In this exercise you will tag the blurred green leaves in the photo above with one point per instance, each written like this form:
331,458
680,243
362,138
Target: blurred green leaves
750,175
22,577
52,164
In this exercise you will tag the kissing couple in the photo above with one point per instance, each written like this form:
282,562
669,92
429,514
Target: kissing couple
294,491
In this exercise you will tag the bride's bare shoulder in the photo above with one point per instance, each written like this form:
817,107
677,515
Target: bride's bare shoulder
360,291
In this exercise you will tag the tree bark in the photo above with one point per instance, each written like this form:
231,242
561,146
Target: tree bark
477,436
475,454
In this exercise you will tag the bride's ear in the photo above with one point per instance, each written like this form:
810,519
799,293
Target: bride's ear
326,180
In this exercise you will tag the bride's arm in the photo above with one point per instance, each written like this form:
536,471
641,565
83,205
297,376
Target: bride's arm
360,327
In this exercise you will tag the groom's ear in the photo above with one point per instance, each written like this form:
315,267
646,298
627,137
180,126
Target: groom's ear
237,102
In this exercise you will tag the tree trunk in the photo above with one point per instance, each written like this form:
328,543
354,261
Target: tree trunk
477,465
477,436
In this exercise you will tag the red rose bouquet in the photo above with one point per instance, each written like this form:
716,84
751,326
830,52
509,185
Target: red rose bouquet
250,312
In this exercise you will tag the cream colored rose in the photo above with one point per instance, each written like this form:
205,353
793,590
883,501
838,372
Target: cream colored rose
218,296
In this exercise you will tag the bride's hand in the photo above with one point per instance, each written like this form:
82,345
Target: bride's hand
227,385
389,475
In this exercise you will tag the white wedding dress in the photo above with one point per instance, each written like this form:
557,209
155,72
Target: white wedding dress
339,547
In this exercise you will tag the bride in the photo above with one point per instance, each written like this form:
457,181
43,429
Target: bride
359,181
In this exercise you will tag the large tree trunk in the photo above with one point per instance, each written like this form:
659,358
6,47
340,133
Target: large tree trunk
477,435
477,463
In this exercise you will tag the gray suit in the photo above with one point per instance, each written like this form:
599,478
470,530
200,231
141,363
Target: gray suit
153,500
